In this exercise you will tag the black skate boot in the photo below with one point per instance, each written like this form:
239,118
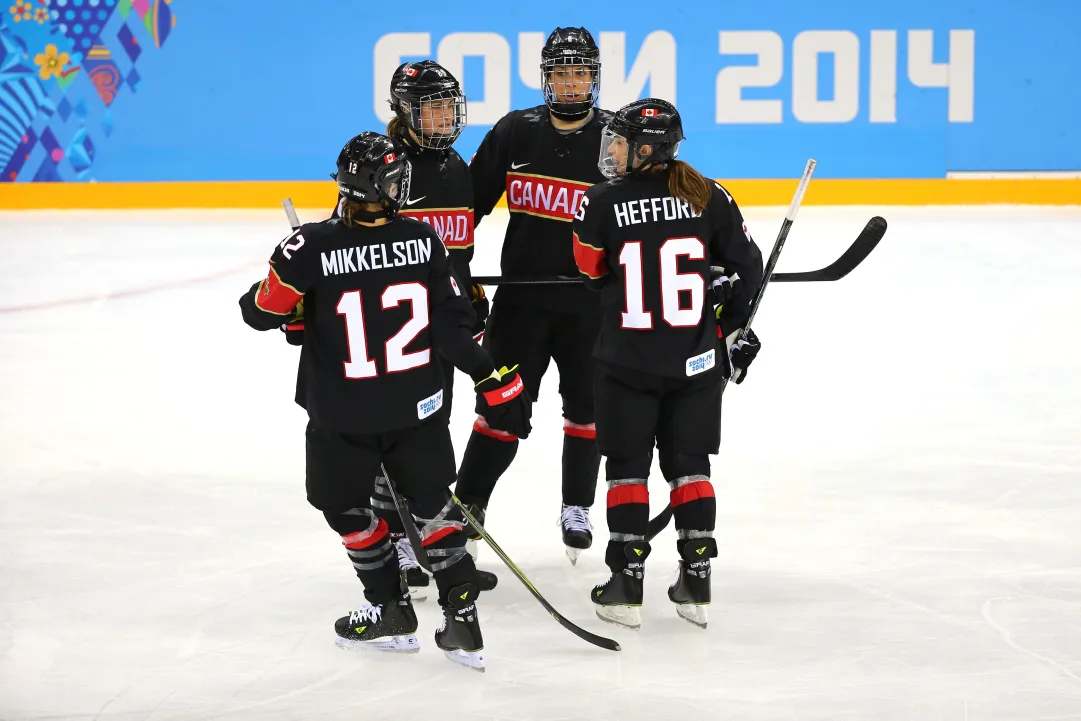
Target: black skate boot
619,601
459,633
691,592
471,534
577,531
388,626
412,571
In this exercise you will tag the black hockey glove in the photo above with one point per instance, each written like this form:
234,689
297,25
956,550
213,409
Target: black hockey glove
724,287
293,327
741,353
480,307
505,403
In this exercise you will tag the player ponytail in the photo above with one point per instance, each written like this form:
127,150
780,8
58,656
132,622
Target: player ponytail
353,212
686,183
395,129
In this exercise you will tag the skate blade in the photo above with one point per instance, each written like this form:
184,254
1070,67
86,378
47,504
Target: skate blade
472,547
694,613
472,659
418,593
406,643
573,554
626,616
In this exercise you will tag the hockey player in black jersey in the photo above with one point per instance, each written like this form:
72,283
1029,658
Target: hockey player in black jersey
647,240
381,310
429,114
544,159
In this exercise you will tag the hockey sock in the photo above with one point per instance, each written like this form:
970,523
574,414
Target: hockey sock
444,542
628,516
694,506
384,508
487,456
581,464
367,541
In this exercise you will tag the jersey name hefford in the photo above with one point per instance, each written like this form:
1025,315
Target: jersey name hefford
546,197
376,257
650,210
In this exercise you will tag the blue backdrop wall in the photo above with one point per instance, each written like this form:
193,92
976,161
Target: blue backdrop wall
141,90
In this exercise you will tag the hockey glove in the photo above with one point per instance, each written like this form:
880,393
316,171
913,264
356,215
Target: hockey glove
505,403
480,307
293,327
724,287
741,352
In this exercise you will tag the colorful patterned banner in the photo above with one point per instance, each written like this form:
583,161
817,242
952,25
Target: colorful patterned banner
62,65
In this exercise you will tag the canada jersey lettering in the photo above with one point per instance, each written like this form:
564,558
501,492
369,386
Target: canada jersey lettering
544,196
454,225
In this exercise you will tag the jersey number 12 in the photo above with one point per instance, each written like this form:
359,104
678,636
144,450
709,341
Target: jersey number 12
360,365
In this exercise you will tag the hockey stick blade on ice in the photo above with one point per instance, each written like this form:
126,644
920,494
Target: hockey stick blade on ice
581,633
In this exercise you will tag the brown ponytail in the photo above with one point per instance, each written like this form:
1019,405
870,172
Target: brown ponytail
351,207
394,128
686,183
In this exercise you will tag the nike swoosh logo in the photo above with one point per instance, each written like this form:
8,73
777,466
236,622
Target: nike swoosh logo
414,201
515,166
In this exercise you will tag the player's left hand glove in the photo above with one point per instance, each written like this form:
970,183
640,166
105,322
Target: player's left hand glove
293,327
504,402
480,307
741,352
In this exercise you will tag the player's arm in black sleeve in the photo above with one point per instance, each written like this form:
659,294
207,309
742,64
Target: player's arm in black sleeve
488,169
274,300
452,320
732,247
590,254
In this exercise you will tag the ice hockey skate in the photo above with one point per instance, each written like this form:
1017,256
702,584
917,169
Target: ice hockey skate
459,632
577,531
412,571
619,600
382,627
691,589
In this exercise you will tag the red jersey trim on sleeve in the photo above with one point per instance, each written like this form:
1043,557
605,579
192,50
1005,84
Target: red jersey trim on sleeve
590,260
276,297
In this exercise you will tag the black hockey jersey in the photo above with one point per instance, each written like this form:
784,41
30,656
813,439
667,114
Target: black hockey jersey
377,300
545,173
650,254
441,195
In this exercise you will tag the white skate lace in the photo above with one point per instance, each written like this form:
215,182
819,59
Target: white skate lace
576,518
406,558
366,614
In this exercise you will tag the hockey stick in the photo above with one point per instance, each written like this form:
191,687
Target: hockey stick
661,520
407,521
291,213
581,633
849,260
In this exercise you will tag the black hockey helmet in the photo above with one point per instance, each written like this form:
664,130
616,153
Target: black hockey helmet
373,168
574,50
429,101
651,131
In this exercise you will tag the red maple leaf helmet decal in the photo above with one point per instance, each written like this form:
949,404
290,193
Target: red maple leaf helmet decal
649,112
410,71
389,158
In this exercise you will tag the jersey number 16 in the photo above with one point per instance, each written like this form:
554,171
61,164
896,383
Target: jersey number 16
673,285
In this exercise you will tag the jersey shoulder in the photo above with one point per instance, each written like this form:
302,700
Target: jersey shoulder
605,191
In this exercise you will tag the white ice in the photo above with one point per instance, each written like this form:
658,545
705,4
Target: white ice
899,496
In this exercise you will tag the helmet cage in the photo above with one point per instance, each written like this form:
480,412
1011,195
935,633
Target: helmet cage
553,89
439,106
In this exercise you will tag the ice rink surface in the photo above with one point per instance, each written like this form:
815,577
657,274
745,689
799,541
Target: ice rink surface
899,496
